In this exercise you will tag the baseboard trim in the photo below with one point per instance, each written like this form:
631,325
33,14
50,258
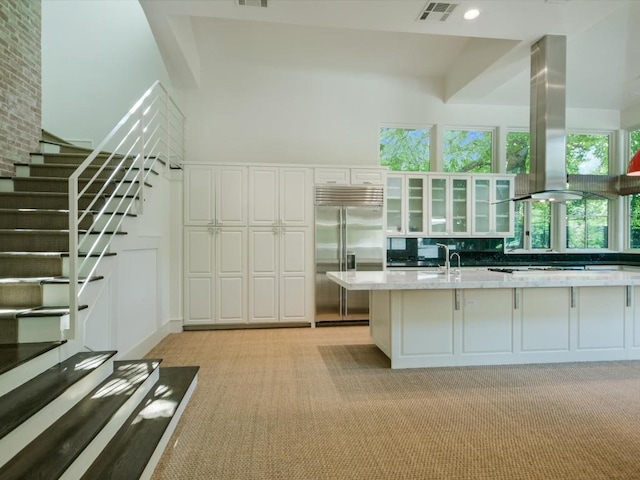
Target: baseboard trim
175,325
146,345
243,326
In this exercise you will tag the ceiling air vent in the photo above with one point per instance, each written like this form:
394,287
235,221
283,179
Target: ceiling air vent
437,11
253,3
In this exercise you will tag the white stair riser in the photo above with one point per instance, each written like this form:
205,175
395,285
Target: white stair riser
19,438
40,329
84,271
89,454
26,371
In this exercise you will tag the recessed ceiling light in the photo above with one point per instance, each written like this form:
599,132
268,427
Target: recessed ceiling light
471,14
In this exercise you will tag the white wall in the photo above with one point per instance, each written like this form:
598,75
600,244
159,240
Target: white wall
287,94
98,58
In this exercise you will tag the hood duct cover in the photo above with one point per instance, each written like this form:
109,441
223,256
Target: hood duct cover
548,114
548,179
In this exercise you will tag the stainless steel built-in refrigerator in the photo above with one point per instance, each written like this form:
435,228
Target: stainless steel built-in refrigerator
349,235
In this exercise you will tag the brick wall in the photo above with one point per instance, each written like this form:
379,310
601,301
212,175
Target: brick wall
20,81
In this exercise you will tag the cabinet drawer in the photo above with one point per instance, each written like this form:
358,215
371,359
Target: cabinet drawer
332,175
366,176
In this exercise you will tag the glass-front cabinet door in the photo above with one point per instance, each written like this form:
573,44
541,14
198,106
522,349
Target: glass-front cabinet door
503,207
492,210
395,187
415,205
460,205
481,206
438,205
405,204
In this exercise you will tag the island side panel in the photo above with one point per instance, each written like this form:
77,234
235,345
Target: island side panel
380,320
633,329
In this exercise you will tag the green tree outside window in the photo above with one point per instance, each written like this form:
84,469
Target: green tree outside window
468,151
403,149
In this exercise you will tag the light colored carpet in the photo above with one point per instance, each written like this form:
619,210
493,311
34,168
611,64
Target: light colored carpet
323,404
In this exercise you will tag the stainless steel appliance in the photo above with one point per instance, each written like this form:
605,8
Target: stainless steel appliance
349,236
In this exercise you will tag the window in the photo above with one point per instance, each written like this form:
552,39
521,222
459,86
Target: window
534,234
588,154
468,151
518,156
587,224
634,200
403,149
587,221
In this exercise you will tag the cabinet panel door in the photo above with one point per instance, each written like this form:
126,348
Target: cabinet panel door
199,195
295,248
296,197
263,201
231,251
199,252
487,323
199,300
199,275
601,317
293,299
264,299
263,253
231,195
231,299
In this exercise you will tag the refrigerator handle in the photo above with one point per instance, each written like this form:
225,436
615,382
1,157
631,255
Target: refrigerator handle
344,260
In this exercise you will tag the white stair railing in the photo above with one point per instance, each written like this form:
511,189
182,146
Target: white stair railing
108,186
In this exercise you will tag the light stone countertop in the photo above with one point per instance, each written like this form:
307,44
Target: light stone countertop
474,278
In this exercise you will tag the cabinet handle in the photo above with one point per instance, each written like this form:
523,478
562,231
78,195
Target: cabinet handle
516,299
629,295
573,297
456,297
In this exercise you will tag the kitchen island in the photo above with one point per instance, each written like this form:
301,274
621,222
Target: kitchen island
481,317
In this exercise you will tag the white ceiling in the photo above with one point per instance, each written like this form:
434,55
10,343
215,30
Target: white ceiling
484,61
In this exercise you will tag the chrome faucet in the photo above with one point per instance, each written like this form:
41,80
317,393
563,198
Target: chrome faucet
456,254
447,265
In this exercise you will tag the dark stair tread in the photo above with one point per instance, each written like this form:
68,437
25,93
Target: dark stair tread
30,312
66,180
129,451
23,402
26,255
53,452
52,311
15,354
44,231
47,280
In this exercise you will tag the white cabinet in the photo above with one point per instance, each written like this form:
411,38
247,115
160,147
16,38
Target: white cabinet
215,275
492,210
280,196
350,176
367,176
449,205
215,195
337,176
280,273
406,204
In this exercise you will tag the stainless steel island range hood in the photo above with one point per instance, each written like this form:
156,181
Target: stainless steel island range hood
548,177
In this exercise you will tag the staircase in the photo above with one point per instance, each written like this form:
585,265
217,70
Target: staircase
65,412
